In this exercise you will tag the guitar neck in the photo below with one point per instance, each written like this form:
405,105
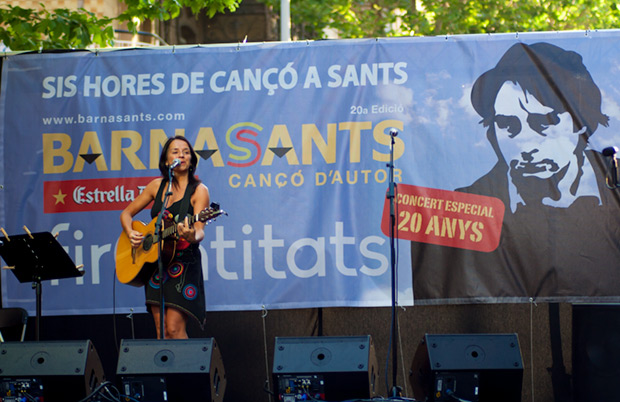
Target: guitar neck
172,229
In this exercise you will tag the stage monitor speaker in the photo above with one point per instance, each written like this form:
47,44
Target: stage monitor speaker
596,352
174,370
324,368
56,370
472,367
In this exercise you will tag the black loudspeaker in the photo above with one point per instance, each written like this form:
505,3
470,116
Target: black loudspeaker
58,371
596,352
472,367
175,370
324,368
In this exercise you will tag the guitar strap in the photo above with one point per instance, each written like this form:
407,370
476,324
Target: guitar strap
184,209
189,190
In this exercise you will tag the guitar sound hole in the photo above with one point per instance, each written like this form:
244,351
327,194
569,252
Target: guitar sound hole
147,243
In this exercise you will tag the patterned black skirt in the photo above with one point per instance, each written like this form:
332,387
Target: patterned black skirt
183,285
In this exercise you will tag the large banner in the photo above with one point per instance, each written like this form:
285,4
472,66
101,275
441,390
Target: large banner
495,140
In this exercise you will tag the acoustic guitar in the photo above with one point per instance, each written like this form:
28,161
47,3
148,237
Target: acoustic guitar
134,266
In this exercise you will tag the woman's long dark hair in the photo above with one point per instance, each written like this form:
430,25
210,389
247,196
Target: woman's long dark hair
163,161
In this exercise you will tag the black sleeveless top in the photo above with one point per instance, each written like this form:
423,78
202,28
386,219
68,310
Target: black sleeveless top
182,206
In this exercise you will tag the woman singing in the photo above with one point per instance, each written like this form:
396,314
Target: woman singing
183,281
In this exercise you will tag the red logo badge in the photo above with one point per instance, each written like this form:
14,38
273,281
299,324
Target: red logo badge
446,218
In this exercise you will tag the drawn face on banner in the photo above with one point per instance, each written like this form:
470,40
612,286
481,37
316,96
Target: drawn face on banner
534,139
540,106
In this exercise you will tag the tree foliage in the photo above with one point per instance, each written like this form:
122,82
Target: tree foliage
313,19
28,29
167,9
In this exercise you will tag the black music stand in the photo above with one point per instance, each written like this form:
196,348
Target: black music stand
36,257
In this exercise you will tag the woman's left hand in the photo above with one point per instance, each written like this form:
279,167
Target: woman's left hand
186,231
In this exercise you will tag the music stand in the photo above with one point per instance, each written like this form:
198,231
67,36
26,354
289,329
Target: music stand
37,257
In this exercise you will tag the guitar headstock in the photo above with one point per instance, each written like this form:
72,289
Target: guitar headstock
210,214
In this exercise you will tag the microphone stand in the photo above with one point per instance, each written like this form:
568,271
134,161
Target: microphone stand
160,262
396,390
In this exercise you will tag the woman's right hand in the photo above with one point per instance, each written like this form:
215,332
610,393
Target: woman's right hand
135,238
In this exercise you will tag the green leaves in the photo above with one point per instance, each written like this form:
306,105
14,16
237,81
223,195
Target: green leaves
379,18
27,29
140,10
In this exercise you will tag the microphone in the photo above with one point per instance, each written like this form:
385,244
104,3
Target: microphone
174,164
393,132
613,169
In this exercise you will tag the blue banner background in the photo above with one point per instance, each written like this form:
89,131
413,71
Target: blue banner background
327,248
